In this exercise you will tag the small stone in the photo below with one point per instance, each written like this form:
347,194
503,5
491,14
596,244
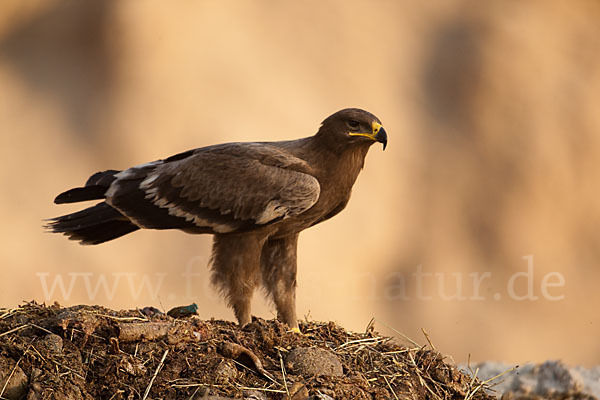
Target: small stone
555,377
313,361
51,344
151,311
254,395
225,372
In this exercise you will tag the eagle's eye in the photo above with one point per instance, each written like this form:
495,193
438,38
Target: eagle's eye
353,124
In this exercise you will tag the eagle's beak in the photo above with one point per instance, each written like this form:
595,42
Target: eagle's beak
379,134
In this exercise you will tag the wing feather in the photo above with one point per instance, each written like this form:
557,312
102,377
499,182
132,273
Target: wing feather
223,188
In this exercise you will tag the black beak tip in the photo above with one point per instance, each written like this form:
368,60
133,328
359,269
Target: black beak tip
381,137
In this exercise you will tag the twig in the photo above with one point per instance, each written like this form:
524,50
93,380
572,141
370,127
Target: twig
194,394
470,394
428,339
370,326
8,312
390,386
191,385
161,306
122,318
18,328
399,333
160,364
13,371
395,352
119,391
42,329
500,374
374,340
283,373
421,380
260,389
72,371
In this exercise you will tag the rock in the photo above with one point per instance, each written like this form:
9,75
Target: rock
555,377
16,387
549,379
225,372
50,344
151,311
591,379
254,395
313,361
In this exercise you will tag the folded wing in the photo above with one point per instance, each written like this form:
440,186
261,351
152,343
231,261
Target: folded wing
217,189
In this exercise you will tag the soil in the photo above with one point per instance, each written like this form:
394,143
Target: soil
90,352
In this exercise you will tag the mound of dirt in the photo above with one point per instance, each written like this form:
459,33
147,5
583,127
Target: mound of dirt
90,352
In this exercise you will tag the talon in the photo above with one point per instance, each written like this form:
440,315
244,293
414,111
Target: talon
296,330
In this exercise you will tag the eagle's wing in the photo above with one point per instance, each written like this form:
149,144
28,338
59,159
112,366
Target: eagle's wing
218,189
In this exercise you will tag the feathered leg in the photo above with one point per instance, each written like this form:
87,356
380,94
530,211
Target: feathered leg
235,265
278,267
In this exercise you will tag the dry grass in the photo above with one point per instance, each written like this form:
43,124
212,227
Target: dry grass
195,358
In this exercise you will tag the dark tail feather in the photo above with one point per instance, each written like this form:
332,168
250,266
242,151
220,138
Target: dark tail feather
103,232
81,194
94,225
94,188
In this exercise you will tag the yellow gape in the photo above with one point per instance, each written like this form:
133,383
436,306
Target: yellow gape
376,128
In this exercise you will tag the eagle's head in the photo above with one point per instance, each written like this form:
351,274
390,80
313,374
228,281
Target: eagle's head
353,126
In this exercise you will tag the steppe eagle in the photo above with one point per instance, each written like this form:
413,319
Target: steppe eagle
255,198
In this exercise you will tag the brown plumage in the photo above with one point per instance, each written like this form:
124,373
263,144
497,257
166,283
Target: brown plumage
255,198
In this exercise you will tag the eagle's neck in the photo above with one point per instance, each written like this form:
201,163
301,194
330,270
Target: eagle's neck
338,164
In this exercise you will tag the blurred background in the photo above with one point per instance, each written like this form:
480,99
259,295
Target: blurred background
479,223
